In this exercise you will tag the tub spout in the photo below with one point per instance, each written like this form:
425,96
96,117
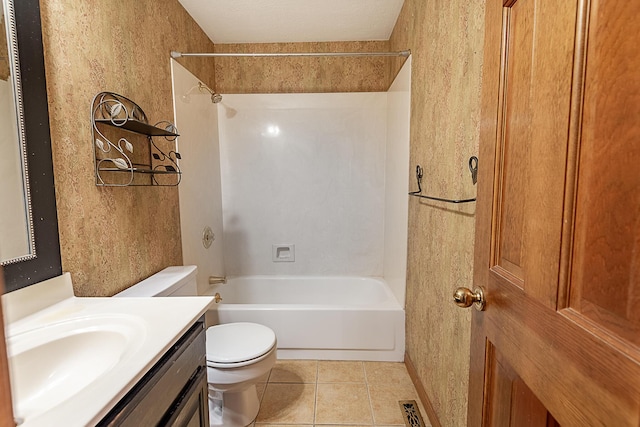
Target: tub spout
214,280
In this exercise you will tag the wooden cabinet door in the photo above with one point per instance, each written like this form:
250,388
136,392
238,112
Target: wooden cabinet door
558,216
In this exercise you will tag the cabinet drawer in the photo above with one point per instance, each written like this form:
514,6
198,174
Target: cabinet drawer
192,407
162,387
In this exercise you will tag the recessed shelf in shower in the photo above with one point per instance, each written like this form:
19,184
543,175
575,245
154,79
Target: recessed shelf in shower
283,253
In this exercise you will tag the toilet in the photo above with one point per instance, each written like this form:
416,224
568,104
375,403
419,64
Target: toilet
238,354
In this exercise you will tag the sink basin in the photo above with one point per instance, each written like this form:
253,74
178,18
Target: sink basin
72,359
50,364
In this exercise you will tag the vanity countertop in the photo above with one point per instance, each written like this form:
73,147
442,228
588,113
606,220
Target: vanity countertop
72,359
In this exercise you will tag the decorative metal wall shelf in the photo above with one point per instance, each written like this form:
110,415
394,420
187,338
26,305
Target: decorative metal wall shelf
138,160
473,168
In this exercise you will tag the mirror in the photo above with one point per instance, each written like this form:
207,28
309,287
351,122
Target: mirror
43,260
16,221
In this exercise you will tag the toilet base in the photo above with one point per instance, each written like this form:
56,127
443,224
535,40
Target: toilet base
233,409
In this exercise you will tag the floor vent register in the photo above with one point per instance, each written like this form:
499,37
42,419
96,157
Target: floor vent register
411,413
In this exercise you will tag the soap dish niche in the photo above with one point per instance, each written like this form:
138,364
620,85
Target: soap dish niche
283,253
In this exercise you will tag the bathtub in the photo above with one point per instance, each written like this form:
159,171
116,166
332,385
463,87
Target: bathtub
329,318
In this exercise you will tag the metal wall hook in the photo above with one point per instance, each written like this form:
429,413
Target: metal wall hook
419,178
473,168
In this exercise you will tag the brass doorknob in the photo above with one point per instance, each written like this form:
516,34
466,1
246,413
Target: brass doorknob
464,297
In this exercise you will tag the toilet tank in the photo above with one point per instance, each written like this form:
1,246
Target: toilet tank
172,281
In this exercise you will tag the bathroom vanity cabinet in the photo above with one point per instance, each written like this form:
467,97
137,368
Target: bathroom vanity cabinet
173,392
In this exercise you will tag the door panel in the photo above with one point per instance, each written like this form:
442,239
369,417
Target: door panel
605,285
515,159
558,217
579,378
532,143
512,403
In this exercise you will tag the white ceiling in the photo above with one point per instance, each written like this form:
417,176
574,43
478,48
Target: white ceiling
275,21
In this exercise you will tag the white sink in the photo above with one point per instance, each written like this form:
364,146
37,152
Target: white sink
52,363
73,359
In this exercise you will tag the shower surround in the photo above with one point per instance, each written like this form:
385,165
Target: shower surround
313,189
324,173
307,170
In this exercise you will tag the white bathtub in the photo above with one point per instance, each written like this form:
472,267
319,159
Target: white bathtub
330,318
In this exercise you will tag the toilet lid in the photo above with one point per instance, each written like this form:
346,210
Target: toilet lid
238,342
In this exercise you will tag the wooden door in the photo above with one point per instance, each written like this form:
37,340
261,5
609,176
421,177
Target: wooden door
558,216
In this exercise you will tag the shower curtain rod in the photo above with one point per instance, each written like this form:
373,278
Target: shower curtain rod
404,53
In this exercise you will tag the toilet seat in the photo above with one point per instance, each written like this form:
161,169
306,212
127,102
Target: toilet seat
234,345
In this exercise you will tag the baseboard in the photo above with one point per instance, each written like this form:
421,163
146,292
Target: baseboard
422,394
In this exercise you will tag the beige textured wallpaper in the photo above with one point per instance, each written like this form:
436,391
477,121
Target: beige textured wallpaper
446,38
4,51
112,237
307,74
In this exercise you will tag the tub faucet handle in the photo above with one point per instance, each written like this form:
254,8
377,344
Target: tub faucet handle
214,280
217,298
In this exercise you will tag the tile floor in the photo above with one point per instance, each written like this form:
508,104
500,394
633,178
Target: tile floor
308,393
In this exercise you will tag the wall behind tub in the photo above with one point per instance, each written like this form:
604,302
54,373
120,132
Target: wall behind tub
113,237
307,170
